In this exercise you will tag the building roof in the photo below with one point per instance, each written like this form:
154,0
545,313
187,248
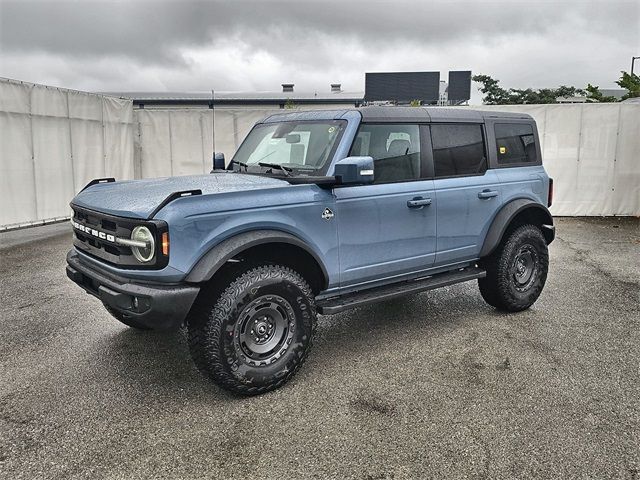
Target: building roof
204,98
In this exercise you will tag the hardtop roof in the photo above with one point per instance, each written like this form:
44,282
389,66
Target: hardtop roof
380,114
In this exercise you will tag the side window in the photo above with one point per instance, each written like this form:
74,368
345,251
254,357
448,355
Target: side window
458,150
395,150
515,143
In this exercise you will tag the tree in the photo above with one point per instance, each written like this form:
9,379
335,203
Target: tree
289,105
494,94
631,82
595,95
415,103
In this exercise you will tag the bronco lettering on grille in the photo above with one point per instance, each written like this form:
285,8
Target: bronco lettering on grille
93,232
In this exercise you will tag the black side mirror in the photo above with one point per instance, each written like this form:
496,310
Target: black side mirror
354,170
218,161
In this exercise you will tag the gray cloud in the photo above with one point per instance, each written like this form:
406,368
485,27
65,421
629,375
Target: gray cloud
257,45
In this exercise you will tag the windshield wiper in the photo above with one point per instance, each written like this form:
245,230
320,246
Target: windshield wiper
286,170
241,164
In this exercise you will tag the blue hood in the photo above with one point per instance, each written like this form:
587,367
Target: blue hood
138,198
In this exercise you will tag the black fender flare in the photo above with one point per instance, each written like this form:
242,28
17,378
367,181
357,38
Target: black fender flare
504,217
215,258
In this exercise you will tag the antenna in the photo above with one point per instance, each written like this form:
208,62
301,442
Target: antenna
213,129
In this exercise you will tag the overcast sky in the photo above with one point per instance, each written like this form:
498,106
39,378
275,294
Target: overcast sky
246,46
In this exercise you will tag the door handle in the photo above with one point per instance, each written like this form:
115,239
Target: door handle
487,194
418,202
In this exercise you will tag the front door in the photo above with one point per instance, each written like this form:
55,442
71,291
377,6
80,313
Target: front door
387,229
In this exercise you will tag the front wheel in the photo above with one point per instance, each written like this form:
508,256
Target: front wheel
256,334
517,270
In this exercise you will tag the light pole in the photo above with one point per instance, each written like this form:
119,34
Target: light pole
633,60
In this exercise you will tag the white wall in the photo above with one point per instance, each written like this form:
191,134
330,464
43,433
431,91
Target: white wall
52,142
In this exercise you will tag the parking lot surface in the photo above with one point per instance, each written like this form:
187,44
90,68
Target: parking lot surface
437,385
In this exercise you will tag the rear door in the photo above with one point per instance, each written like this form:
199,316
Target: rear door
467,193
388,228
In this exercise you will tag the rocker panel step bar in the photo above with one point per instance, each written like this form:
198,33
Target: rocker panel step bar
332,305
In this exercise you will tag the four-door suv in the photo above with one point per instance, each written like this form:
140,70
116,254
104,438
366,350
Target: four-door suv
318,212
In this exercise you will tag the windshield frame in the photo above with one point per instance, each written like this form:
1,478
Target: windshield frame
343,124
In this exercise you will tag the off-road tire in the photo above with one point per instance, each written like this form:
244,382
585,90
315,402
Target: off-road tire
504,287
128,321
221,343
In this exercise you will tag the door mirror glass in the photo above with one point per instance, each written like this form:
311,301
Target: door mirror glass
354,171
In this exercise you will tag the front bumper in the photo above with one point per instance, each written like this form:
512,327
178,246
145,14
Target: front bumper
161,307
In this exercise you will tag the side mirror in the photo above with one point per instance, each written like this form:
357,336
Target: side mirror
218,161
354,170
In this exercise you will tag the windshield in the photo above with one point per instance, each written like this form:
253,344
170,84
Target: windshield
304,147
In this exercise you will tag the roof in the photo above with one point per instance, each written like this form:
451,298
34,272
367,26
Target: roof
432,114
399,114
204,98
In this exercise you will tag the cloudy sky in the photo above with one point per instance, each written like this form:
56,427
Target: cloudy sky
243,45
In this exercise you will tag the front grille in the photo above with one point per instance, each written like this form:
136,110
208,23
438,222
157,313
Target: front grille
110,227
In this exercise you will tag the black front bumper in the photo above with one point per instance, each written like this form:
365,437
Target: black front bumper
161,307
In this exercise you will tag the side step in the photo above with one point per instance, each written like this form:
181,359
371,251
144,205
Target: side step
338,304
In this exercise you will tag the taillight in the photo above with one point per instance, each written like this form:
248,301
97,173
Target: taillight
550,197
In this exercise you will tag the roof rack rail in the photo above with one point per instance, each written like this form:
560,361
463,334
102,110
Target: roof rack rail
98,180
171,198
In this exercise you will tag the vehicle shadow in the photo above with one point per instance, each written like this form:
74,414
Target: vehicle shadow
159,362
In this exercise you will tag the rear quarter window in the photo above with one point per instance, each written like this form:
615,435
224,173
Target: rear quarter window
515,143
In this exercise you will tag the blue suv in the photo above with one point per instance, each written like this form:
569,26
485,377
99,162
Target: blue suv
318,212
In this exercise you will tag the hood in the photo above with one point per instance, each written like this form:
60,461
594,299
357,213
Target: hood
139,198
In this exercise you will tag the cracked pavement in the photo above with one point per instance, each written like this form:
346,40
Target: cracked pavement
438,385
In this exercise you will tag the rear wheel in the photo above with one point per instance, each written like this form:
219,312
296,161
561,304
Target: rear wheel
517,270
122,318
255,335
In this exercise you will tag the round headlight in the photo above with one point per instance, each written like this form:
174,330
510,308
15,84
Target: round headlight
143,234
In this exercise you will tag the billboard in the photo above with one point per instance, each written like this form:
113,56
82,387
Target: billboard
402,87
459,89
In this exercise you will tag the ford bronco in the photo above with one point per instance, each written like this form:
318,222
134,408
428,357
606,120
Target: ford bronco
316,213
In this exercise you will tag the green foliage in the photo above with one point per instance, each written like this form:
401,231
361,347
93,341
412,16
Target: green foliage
631,82
595,95
289,104
494,94
415,103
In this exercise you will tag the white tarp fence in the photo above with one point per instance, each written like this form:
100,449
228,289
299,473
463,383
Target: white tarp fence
52,143
179,141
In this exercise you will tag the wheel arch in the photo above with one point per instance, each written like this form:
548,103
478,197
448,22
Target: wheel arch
272,245
517,212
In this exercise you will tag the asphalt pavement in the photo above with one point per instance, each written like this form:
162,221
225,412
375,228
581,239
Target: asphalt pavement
438,385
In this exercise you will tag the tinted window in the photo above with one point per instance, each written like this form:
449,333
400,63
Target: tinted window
395,150
515,143
458,150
